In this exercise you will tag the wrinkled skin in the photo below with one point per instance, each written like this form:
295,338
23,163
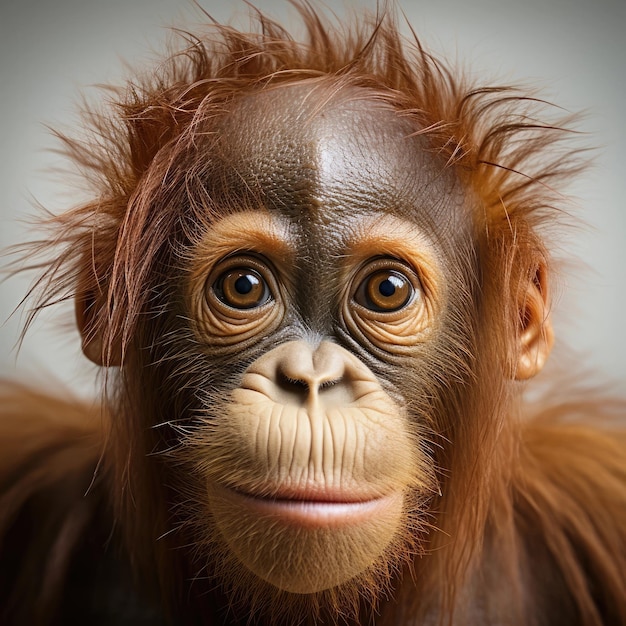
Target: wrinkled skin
323,330
314,273
315,451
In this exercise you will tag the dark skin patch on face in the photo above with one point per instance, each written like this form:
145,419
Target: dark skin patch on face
306,149
328,160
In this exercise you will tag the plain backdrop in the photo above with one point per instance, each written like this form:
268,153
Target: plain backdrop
574,51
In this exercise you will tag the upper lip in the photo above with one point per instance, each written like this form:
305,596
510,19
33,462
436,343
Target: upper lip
310,493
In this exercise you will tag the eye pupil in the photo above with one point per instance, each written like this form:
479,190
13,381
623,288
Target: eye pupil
245,284
242,288
387,287
385,291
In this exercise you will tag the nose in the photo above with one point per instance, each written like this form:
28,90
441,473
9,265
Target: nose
301,374
312,368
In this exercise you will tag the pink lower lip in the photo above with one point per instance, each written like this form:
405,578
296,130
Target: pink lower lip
313,513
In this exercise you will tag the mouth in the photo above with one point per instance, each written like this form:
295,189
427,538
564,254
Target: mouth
312,511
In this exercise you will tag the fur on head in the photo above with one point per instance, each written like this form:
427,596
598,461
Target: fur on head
117,253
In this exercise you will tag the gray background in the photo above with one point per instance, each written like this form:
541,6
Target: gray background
574,51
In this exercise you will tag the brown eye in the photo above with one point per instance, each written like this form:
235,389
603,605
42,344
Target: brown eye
242,288
384,291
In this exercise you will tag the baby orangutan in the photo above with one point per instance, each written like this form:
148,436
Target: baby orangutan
314,277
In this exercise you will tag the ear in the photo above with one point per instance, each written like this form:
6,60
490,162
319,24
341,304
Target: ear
89,307
535,337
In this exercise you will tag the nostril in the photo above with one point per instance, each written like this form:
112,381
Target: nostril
329,383
291,391
292,384
300,384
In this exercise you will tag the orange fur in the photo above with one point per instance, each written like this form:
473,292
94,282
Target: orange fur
50,452
513,490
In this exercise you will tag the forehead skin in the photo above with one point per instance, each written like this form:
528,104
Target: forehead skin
333,156
326,163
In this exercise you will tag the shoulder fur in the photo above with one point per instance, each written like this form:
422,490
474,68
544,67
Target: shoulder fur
49,452
570,496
